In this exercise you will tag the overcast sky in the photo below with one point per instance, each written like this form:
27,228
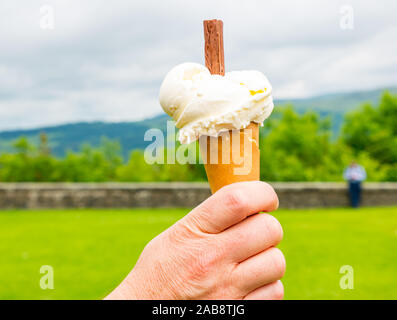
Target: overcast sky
105,60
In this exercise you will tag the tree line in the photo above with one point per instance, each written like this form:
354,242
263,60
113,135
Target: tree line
294,147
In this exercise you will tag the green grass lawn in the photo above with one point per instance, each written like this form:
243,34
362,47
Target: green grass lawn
91,251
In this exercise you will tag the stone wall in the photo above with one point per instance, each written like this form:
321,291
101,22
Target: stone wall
129,195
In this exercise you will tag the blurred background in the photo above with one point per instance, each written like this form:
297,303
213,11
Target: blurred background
79,86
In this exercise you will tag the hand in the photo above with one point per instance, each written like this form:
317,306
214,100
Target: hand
223,249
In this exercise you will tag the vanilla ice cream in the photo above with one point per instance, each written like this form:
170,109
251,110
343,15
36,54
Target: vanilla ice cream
206,104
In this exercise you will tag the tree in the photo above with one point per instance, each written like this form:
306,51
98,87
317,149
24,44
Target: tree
294,147
374,131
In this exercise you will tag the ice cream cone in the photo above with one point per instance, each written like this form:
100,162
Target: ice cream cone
208,103
231,157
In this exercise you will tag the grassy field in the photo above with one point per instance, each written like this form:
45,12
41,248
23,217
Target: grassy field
91,251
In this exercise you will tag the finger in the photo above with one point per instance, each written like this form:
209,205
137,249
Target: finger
272,291
259,270
232,204
251,236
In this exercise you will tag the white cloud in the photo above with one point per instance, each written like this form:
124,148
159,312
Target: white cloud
106,60
75,106
12,79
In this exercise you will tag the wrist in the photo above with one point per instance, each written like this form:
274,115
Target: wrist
126,290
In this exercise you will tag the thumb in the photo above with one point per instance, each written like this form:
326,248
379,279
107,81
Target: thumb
232,204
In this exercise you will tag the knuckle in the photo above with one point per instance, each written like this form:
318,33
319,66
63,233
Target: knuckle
235,199
273,198
278,290
278,261
274,228
232,242
205,262
275,202
179,233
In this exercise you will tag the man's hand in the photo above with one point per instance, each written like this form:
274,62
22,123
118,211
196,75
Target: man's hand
223,249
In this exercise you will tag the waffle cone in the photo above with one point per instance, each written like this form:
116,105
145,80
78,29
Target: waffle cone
231,157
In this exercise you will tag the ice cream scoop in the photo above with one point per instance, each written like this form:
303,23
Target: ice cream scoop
202,103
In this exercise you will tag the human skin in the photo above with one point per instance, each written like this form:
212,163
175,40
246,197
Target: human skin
222,249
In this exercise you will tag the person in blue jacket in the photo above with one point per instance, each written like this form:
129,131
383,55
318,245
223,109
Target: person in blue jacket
355,174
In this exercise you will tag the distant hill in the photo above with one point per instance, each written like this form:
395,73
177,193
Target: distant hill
130,134
71,136
338,102
336,105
